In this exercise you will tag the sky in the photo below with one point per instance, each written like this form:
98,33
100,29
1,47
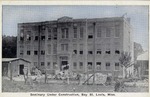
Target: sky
14,14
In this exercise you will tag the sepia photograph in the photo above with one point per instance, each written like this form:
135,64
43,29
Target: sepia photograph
75,48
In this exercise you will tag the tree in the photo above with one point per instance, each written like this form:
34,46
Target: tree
137,51
125,60
9,46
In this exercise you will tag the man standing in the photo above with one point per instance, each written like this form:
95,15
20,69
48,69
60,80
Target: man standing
66,71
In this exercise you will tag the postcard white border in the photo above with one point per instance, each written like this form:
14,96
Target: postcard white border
96,3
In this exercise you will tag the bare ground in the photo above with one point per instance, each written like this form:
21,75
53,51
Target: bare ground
15,86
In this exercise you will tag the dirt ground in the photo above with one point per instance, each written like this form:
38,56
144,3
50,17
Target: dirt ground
15,86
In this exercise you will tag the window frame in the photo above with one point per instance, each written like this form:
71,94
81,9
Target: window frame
75,65
35,52
108,33
117,52
99,32
75,33
54,48
42,64
81,32
64,33
21,52
117,32
107,65
49,65
75,52
42,52
98,50
42,37
64,47
36,38
90,53
117,63
89,36
81,67
98,65
28,52
90,64
80,52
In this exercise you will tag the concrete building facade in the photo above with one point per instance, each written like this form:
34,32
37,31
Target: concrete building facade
87,45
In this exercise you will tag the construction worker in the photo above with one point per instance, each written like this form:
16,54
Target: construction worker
66,71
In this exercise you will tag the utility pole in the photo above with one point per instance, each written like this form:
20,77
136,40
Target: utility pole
94,31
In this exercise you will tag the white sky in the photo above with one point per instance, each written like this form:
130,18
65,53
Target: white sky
13,14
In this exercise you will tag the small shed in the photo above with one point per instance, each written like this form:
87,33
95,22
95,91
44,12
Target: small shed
12,67
143,63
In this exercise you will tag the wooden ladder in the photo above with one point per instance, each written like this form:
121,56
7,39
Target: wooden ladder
88,79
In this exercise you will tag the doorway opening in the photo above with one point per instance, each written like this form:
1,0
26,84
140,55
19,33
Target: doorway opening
21,67
63,63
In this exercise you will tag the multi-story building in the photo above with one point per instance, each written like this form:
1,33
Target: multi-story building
87,45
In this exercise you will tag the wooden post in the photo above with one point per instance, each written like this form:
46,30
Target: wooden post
45,76
10,71
25,74
68,77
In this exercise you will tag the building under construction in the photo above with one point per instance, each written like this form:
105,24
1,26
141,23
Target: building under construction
87,45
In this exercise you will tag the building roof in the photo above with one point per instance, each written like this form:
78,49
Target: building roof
13,59
65,19
70,19
143,56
